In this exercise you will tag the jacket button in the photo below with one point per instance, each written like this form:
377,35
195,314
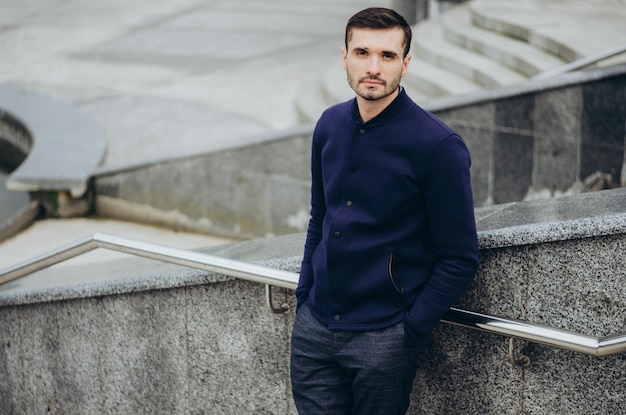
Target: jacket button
349,203
362,131
337,234
337,317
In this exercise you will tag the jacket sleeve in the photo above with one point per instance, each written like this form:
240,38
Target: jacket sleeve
450,210
314,231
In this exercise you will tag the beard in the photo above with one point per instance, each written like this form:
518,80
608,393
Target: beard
374,93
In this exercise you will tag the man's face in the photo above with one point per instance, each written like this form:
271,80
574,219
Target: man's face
374,62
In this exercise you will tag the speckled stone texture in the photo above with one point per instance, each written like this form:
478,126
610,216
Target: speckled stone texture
558,263
138,336
568,285
541,138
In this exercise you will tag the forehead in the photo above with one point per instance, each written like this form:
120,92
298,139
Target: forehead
384,39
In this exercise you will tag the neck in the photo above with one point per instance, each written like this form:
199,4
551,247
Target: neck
369,109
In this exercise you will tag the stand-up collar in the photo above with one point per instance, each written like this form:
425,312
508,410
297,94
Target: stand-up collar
397,106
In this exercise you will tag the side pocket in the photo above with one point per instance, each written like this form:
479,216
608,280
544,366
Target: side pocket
393,275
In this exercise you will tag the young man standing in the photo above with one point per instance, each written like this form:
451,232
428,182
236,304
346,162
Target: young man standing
391,243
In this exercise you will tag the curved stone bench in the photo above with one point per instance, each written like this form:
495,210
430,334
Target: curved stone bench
66,146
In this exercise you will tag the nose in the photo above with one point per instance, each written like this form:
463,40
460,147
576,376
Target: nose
373,65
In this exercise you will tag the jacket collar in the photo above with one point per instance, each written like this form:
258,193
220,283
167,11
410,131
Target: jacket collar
397,106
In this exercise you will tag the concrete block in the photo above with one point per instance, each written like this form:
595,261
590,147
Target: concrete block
289,202
10,399
560,382
237,351
252,202
58,358
466,373
475,124
143,352
513,149
578,285
603,128
557,140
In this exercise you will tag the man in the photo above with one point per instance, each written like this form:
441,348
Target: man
391,242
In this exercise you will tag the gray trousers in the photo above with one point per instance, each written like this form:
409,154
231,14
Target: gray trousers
350,372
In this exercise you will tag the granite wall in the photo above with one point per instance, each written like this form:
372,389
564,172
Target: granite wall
139,336
543,139
536,140
254,190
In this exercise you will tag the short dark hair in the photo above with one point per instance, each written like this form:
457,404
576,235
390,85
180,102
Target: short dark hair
379,18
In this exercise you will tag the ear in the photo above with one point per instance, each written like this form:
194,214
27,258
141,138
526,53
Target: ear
405,64
344,56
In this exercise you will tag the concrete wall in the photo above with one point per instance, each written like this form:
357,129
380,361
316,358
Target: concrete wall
535,140
255,190
137,336
542,139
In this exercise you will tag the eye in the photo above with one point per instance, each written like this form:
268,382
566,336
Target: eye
389,55
360,52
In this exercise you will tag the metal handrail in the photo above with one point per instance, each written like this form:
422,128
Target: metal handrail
581,63
595,346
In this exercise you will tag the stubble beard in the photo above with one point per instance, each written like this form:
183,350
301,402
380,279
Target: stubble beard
372,94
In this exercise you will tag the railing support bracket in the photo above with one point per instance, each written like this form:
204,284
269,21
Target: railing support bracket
519,360
283,309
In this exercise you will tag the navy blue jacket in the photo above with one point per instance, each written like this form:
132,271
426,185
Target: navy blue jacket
392,235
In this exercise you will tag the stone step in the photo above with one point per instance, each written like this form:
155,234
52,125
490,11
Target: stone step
434,82
310,102
485,44
515,54
314,98
570,29
431,45
318,94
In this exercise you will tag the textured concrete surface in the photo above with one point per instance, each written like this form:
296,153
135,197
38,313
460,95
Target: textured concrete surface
133,335
532,141
138,336
542,139
47,235
179,78
168,79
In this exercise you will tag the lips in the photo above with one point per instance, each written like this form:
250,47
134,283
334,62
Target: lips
372,81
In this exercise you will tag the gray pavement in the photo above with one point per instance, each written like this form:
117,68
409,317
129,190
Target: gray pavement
167,78
170,78
175,77
164,79
48,235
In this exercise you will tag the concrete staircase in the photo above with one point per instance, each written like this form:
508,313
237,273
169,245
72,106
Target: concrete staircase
486,44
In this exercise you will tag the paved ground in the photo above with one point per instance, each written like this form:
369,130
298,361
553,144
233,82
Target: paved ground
51,234
164,79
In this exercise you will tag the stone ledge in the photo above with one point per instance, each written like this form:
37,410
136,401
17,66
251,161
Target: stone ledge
67,145
591,215
539,221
